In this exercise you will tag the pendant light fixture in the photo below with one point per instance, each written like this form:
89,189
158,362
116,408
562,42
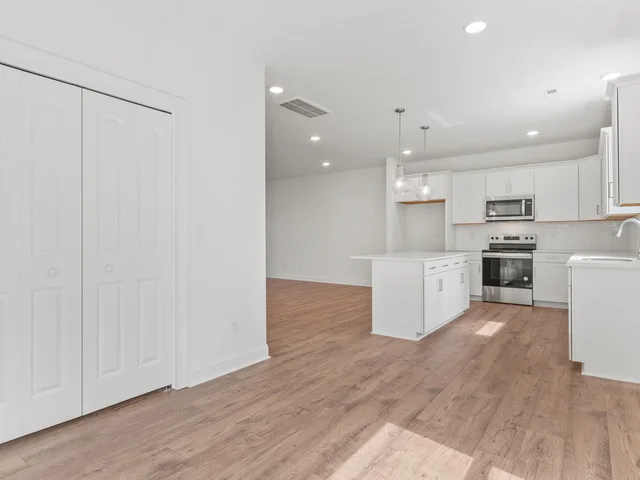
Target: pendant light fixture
424,191
401,184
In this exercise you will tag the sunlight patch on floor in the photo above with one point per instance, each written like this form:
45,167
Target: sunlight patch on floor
497,474
489,329
395,452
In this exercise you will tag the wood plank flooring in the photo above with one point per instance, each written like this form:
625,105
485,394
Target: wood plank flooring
491,396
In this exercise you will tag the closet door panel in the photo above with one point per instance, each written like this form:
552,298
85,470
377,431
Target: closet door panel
13,370
42,308
52,232
127,256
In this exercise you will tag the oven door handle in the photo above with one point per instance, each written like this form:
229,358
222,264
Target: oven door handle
507,255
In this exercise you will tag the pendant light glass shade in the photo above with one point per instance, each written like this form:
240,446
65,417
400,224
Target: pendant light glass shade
401,184
424,191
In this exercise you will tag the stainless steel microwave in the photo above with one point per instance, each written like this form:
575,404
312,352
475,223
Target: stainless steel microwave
509,209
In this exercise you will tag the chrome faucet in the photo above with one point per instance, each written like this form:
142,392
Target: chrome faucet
630,220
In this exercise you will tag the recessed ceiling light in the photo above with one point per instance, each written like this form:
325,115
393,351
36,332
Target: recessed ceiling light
326,164
314,138
276,90
475,27
406,152
533,133
609,76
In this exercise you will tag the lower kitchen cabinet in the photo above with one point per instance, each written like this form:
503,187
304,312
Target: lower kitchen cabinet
446,296
550,282
459,283
437,300
475,278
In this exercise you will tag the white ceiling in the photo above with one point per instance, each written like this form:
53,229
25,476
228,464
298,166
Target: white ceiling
363,58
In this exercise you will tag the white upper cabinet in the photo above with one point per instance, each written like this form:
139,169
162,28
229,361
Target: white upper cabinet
626,140
511,182
436,182
590,182
556,192
469,195
497,184
522,182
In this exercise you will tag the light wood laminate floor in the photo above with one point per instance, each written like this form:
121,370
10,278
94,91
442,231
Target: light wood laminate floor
490,396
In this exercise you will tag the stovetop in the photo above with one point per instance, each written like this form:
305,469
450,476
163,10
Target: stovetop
512,243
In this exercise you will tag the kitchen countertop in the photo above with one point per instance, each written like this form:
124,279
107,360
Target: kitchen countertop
411,256
578,260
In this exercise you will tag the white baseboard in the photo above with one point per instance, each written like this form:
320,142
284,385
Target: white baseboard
300,278
228,365
564,306
619,378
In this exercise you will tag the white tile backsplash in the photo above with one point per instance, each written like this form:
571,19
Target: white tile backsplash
551,236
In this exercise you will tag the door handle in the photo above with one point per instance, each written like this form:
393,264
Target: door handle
461,277
440,287
598,210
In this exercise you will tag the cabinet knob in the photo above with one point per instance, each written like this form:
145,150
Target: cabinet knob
108,268
53,272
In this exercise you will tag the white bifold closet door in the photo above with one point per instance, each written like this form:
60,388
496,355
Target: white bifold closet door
127,268
40,253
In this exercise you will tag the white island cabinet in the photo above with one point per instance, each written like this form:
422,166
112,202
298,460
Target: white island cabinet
603,314
416,293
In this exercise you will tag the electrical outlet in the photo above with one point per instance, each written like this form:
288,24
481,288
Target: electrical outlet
235,327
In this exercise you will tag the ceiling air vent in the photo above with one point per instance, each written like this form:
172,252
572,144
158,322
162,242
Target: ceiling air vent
305,107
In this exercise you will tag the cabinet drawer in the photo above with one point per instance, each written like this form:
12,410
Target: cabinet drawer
551,257
438,266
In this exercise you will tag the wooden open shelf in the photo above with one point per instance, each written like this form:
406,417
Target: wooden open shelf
419,202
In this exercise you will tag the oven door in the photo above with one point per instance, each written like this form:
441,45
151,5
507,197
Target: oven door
502,209
507,278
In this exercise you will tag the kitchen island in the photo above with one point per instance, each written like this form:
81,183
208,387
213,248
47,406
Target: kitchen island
416,293
604,308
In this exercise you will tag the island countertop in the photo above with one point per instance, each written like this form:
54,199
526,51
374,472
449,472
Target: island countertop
604,260
411,256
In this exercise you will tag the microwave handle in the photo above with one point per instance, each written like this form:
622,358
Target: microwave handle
524,207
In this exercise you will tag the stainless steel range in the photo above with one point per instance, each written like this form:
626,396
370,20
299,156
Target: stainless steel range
507,269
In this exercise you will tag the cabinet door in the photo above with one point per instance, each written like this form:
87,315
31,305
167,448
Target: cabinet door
437,301
522,182
550,282
40,253
606,174
437,184
459,291
469,198
557,193
475,278
590,183
497,184
628,148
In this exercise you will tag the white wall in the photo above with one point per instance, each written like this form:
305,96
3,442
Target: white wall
192,51
582,236
554,152
315,223
292,210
